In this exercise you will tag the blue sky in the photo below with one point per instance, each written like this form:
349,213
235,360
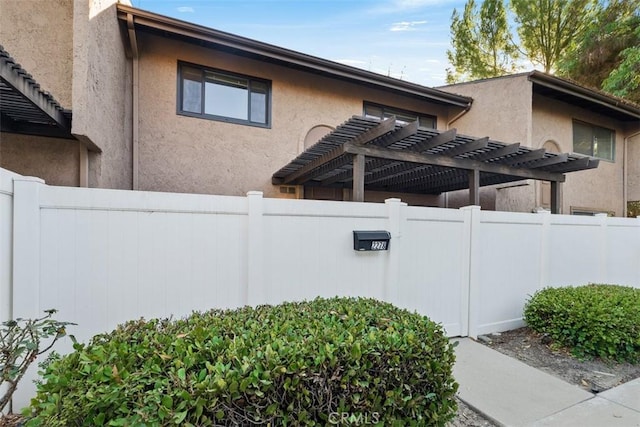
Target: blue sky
406,39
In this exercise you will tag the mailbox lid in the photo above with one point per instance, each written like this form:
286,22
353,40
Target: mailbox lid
371,235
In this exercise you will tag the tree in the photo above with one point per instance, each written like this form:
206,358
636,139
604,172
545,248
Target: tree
550,29
608,56
594,42
624,81
482,45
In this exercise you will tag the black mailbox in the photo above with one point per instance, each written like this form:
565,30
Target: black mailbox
371,240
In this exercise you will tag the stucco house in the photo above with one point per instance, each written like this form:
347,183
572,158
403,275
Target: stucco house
131,104
544,111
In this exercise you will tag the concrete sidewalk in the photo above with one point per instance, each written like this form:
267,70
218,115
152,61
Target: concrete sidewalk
511,393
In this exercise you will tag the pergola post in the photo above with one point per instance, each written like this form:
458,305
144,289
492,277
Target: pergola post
474,187
555,197
358,178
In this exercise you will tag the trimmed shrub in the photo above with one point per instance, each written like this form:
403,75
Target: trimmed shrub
593,321
328,361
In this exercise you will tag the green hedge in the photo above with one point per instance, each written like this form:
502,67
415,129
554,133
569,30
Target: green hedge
308,363
594,320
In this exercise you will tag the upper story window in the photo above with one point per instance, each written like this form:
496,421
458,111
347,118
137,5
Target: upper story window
402,116
224,96
593,140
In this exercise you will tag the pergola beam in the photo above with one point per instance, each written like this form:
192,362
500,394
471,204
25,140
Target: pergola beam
478,144
33,97
406,131
385,126
554,160
305,172
427,144
577,165
524,157
313,168
507,150
387,140
445,161
434,141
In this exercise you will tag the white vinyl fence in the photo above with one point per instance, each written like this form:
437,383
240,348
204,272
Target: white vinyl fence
102,257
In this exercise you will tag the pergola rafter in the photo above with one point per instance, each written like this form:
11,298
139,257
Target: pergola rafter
368,154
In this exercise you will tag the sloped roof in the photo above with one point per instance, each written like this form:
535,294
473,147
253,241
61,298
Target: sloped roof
572,93
25,107
405,158
594,100
164,26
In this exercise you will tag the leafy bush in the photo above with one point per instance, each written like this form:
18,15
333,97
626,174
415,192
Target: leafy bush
21,342
594,320
327,361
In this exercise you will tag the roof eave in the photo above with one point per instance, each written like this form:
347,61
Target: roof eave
175,27
587,94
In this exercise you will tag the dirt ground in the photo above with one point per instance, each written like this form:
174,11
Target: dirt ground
537,351
467,417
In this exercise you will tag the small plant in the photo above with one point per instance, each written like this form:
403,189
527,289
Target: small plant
593,321
306,363
21,343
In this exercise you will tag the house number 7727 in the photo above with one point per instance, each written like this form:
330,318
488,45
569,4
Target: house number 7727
378,245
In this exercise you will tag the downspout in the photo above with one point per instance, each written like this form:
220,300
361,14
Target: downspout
625,173
449,123
460,114
133,42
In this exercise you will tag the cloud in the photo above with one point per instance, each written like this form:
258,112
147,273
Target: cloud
185,9
406,25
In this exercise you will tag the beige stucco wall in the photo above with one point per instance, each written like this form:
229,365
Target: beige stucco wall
633,174
186,154
501,109
508,111
74,50
54,160
597,189
39,36
460,198
102,92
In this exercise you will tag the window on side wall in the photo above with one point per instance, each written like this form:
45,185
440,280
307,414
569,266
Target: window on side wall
593,140
402,116
224,96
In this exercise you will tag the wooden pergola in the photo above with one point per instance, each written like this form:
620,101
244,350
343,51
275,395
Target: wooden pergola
383,155
25,108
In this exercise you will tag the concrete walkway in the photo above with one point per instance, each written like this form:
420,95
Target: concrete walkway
511,393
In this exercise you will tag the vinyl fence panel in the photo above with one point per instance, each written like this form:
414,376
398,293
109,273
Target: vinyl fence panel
102,257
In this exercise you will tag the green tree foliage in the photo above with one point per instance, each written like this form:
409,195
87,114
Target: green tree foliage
549,29
608,55
624,81
482,45
633,209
